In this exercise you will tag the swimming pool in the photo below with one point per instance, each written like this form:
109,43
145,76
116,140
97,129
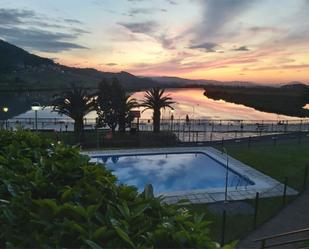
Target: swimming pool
172,172
194,174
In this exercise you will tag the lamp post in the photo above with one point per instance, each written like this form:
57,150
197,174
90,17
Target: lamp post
172,119
35,107
5,110
226,174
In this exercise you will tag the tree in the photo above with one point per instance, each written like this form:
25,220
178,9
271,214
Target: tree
54,197
114,105
155,100
75,103
125,118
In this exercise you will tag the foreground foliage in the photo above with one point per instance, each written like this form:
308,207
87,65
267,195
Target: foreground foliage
53,197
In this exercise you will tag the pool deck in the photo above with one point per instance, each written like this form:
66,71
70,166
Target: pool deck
264,185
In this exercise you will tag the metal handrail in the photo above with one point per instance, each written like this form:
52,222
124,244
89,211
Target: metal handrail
264,239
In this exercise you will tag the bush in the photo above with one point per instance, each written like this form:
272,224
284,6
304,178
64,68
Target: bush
53,197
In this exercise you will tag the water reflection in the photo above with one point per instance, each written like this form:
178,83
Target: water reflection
175,172
191,102
196,105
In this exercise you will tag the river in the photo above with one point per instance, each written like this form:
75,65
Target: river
191,102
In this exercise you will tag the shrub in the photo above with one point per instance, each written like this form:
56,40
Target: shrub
53,197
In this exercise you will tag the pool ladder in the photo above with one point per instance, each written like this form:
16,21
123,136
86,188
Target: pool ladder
239,180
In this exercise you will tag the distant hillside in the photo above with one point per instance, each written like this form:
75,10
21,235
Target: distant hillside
287,100
295,86
20,69
14,58
188,82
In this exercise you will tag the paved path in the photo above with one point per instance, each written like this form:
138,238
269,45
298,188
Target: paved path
293,217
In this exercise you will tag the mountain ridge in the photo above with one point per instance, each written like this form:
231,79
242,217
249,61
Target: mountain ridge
19,67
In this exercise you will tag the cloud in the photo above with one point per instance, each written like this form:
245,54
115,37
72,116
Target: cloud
171,2
28,29
168,1
242,48
178,64
285,67
217,14
79,31
111,64
143,11
208,47
140,27
72,21
14,16
39,39
264,29
151,29
167,43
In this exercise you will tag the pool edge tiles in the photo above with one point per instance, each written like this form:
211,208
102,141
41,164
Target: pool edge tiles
265,185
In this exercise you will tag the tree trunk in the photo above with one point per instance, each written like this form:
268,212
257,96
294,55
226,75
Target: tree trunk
156,120
114,128
79,130
122,123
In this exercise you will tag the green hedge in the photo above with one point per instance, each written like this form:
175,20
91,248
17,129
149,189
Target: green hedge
53,197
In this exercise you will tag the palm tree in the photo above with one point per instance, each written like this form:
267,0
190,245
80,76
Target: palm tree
126,104
75,103
155,100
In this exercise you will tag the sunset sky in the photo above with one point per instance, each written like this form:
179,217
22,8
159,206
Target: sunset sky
248,40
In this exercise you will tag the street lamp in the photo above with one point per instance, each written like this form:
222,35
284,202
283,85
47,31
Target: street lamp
172,119
226,175
5,110
35,107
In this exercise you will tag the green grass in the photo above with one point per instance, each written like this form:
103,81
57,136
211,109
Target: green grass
287,159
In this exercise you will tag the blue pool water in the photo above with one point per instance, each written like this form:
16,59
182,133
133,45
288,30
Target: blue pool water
171,172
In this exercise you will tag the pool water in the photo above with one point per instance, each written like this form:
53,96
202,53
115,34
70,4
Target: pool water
171,172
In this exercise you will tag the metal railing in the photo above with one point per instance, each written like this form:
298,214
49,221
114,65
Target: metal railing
186,131
288,242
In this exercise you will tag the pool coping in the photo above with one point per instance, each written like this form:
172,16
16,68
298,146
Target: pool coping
265,185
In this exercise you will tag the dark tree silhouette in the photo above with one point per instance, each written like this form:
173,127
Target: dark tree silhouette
155,100
114,105
75,103
126,104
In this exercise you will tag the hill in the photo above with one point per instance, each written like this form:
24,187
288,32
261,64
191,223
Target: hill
287,100
14,58
21,69
182,82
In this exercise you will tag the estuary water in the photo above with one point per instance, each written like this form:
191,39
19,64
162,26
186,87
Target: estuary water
191,102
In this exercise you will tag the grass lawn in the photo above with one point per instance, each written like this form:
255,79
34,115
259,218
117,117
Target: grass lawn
288,158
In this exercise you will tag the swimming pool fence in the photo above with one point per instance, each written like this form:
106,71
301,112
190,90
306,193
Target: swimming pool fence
192,131
234,220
